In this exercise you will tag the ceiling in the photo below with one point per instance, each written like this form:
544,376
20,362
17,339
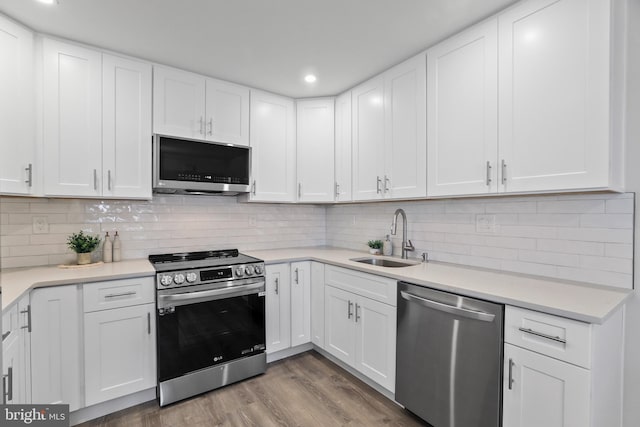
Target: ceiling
266,44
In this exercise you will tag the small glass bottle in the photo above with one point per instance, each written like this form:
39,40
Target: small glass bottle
387,247
107,249
117,255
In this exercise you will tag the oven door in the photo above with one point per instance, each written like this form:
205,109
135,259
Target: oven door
206,327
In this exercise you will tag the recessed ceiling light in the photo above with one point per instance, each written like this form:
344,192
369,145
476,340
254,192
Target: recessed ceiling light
310,78
48,1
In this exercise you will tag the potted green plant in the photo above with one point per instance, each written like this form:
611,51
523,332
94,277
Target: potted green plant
375,246
83,245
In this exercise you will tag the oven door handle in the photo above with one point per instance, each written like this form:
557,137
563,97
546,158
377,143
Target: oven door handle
214,294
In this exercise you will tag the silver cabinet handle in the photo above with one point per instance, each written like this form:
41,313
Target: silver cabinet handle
464,312
28,313
210,124
109,179
511,381
488,173
253,187
201,125
542,335
299,190
504,171
386,181
7,394
378,181
148,323
95,179
123,294
277,290
349,312
29,170
5,335
337,190
297,277
357,315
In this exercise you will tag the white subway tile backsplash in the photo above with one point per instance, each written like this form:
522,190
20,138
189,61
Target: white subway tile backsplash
618,250
607,220
619,206
571,206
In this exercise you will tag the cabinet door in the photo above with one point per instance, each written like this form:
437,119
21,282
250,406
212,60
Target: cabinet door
544,391
273,157
178,103
343,148
315,149
72,120
405,113
227,108
368,139
119,352
317,303
55,346
17,108
376,341
554,95
12,367
126,132
462,113
24,376
300,302
278,307
339,325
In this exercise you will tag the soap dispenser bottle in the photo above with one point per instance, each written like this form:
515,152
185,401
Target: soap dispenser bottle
387,247
107,248
117,256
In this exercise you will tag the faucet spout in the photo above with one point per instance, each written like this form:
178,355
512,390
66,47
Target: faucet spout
406,244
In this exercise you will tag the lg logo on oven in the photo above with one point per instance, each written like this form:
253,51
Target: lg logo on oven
217,358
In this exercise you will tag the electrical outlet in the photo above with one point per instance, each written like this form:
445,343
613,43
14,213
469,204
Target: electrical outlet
40,225
486,224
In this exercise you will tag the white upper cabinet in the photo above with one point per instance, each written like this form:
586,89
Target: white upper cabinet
343,148
126,128
72,120
273,145
405,153
368,139
462,110
17,109
315,149
193,106
389,134
178,103
554,96
227,112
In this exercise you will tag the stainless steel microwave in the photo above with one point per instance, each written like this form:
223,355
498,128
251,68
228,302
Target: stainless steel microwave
189,166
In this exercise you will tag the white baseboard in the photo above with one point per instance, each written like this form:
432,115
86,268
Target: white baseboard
92,412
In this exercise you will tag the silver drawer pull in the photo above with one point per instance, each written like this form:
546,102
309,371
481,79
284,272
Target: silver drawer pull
124,294
541,335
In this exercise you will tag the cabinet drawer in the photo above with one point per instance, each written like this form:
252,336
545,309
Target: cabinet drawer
557,337
368,285
10,323
118,293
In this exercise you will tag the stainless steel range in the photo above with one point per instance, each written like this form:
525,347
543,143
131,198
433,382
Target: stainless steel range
210,321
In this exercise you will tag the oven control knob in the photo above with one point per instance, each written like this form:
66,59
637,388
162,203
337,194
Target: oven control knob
166,280
258,269
192,277
178,278
240,271
249,270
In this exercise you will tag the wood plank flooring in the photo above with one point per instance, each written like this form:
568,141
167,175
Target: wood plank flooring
303,390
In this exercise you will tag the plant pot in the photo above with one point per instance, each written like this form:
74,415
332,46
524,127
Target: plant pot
84,258
374,251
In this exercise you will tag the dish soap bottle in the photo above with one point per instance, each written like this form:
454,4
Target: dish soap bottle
117,256
107,248
387,247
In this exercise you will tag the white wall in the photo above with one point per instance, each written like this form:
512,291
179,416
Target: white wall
165,224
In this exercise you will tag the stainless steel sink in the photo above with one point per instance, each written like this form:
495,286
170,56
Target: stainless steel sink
383,262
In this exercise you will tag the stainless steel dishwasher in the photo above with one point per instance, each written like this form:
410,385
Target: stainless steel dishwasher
449,357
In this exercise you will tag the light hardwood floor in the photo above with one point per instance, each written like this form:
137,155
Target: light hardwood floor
303,390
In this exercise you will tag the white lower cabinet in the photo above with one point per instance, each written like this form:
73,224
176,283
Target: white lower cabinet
55,346
544,391
317,303
300,303
16,367
277,307
119,352
360,331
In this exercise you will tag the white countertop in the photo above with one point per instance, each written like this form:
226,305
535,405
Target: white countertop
587,303
16,281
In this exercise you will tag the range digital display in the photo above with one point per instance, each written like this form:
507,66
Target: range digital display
220,273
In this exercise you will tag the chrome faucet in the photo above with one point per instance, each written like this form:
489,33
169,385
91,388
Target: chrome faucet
406,244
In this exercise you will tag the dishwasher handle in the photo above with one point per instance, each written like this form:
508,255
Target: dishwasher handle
458,311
